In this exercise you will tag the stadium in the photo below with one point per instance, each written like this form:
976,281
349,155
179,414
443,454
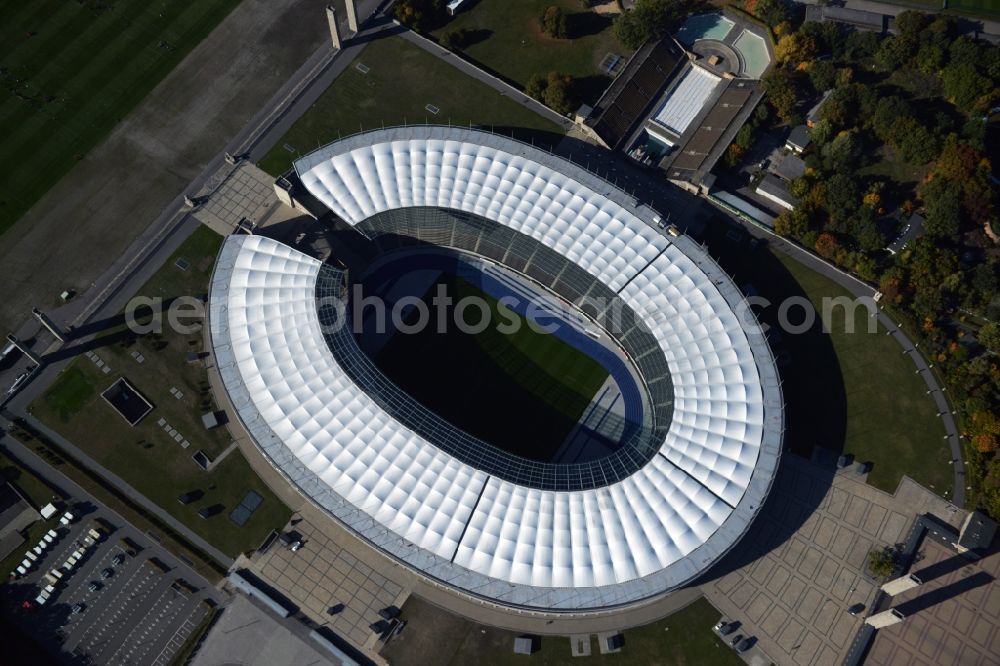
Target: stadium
626,508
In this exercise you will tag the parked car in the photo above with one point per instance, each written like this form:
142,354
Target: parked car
736,640
856,608
118,559
94,586
78,608
107,573
745,644
729,628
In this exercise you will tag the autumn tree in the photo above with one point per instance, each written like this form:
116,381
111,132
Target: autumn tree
989,337
558,93
966,88
944,209
418,14
782,87
771,12
822,75
648,19
553,22
827,245
894,52
795,47
881,563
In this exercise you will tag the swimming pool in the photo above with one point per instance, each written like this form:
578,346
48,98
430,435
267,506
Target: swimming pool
754,52
704,26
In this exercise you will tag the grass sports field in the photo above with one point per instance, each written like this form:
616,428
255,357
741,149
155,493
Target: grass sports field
522,391
70,71
400,81
146,456
508,40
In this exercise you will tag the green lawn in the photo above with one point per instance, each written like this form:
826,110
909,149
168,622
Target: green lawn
477,381
70,395
891,421
436,637
984,8
72,70
402,79
849,392
987,8
146,456
508,41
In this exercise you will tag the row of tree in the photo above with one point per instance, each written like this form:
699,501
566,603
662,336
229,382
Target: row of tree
903,129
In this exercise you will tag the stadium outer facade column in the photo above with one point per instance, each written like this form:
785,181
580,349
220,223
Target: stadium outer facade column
52,327
331,19
352,16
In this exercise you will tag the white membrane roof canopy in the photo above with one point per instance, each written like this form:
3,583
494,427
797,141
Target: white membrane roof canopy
651,532
687,99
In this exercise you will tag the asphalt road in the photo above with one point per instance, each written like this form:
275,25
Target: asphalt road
135,617
175,224
110,292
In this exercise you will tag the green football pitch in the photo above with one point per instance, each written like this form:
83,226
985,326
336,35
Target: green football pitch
71,70
522,391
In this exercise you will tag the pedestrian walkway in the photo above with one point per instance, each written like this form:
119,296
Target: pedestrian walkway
134,495
502,87
861,289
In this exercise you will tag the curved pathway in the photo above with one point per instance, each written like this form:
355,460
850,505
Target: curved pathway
859,288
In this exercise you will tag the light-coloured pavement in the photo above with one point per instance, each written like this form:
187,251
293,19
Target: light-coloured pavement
323,575
244,192
802,564
106,202
952,619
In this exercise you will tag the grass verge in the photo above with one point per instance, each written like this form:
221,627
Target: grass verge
851,392
434,636
109,496
187,651
402,79
506,38
148,457
891,421
35,490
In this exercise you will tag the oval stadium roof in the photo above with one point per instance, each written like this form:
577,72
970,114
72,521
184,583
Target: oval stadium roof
636,538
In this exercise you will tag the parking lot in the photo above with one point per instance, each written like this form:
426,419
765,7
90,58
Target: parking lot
110,608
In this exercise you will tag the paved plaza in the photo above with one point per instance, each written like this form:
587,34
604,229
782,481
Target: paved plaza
322,575
953,618
803,563
234,193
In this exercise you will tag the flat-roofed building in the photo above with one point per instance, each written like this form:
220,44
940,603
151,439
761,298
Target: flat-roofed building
628,98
